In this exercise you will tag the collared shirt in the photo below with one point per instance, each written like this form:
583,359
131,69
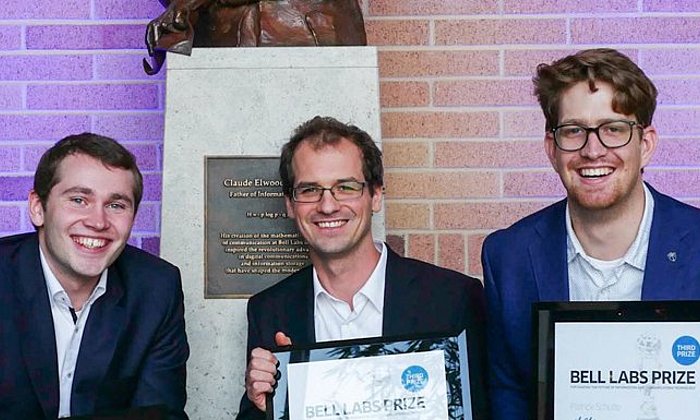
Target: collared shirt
333,318
591,279
69,334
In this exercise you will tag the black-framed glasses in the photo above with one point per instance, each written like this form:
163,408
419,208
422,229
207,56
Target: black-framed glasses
342,191
612,134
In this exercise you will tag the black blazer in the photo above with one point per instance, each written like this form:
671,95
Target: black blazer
419,298
133,350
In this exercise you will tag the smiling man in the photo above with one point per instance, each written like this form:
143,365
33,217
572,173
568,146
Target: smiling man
90,325
356,287
613,237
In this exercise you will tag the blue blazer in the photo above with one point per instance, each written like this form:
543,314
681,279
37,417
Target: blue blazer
526,263
419,298
133,350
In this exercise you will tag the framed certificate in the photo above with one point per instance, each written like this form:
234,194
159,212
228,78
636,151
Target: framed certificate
411,378
617,360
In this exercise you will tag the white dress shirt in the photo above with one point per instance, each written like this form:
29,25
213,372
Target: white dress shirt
69,334
333,318
591,279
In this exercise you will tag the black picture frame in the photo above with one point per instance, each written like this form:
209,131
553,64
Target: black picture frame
456,365
546,315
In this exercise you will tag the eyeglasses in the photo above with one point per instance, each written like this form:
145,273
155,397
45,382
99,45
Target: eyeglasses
612,134
342,191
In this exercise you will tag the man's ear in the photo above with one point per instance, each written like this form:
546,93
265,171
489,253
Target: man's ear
377,198
290,207
36,209
650,139
550,148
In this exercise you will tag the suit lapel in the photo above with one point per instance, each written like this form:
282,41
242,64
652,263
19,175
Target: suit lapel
548,256
668,255
300,309
35,324
103,329
398,292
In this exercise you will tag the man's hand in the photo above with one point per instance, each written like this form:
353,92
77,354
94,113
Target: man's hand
260,375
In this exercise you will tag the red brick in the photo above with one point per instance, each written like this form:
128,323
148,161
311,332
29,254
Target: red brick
10,97
41,127
568,6
533,184
139,125
490,154
500,31
76,37
10,37
676,6
439,124
422,247
437,63
442,184
401,154
431,7
9,158
643,30
10,220
678,91
525,62
147,218
484,215
401,215
397,32
676,152
46,67
681,182
123,67
127,9
404,94
524,123
93,96
484,93
397,243
684,122
670,61
451,252
45,9
474,245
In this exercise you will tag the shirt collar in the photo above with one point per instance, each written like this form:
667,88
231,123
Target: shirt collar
373,289
58,294
636,254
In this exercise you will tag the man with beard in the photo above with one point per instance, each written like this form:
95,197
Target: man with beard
613,238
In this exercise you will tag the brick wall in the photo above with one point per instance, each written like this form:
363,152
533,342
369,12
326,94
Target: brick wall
462,133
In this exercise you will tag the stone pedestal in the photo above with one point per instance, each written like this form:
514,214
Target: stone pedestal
237,102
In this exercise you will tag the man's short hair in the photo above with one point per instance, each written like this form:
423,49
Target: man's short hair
104,149
324,131
635,94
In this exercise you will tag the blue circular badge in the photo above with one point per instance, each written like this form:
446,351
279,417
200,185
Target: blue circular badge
414,378
686,350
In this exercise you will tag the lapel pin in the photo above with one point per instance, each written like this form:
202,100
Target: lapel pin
672,256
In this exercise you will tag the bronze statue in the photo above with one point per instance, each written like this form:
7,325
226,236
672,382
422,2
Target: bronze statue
251,23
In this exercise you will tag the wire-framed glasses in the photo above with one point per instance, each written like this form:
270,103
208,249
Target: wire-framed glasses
612,134
342,191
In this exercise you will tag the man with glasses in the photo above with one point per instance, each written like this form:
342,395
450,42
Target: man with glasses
332,177
613,237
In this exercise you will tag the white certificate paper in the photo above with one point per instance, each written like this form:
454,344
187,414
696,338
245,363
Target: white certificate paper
626,370
397,386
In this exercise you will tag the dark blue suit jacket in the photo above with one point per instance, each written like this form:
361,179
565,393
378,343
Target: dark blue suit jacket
419,298
133,350
526,263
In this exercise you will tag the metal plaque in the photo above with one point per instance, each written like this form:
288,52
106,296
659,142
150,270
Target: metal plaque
250,242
